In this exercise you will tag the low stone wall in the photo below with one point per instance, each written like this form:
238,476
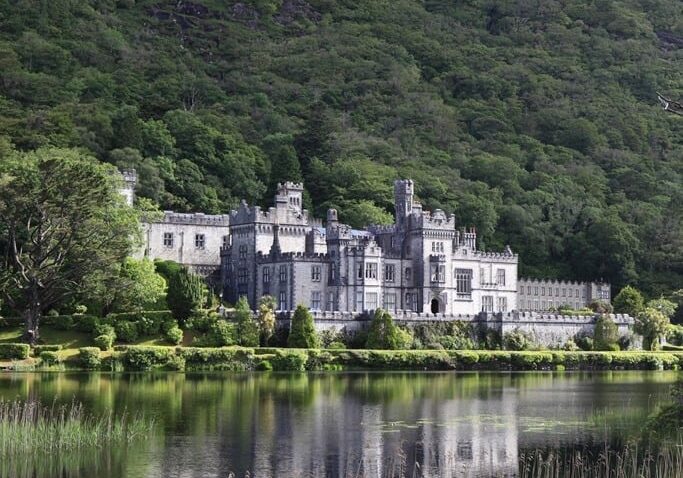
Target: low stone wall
545,329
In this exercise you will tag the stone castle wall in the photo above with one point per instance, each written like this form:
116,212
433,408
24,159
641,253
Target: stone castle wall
548,330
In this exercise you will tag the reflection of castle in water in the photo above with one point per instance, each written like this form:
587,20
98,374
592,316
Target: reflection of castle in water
336,436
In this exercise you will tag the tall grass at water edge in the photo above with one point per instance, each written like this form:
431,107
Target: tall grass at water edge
30,427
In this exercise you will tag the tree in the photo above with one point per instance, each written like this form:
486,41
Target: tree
663,305
385,335
247,328
606,334
186,294
137,286
62,222
266,318
629,300
652,324
302,332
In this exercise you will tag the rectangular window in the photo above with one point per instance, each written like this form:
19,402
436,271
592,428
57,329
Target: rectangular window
242,275
522,304
371,270
500,276
360,270
583,293
536,290
576,293
389,273
282,302
438,273
390,301
226,241
528,290
521,290
331,301
411,301
283,273
266,275
168,239
316,299
359,301
543,291
333,271
502,304
371,301
243,251
557,291
536,304
315,273
482,276
408,274
564,292
199,241
463,282
543,306
487,303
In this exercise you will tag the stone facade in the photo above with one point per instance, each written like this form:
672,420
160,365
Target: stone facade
191,239
544,295
422,263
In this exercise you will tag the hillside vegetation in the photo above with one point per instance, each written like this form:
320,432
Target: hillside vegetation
535,120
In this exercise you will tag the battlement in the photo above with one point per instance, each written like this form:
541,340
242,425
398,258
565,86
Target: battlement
290,186
499,256
557,282
129,175
382,229
195,218
246,214
292,256
436,220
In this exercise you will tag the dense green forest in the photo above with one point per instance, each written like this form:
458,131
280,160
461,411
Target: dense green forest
537,121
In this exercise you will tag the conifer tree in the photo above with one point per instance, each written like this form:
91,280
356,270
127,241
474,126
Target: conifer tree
186,293
247,328
302,332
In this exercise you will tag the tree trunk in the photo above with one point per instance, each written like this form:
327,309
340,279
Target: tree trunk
32,316
31,320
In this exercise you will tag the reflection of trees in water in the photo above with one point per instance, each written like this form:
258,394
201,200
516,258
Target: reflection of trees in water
282,424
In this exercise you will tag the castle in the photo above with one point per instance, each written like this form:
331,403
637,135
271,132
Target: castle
423,263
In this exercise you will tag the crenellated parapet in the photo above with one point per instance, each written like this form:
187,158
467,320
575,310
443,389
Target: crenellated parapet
292,256
196,218
497,256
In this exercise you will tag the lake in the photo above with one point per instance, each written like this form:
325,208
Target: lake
340,424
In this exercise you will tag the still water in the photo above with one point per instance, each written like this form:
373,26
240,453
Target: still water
339,424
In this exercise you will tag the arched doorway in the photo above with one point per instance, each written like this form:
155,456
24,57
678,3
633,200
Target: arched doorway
435,306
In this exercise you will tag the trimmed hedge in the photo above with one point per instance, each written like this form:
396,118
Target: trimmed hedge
89,358
14,351
49,358
38,349
136,358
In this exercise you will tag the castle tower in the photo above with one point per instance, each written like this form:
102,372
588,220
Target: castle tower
130,180
403,200
290,195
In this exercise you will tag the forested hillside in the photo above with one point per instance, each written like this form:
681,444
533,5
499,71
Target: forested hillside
537,121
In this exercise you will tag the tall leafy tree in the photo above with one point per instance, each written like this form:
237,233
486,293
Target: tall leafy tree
629,300
62,222
247,329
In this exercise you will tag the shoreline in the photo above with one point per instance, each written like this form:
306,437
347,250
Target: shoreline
245,359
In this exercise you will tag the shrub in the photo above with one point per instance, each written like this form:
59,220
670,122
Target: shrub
467,359
290,360
49,358
104,342
517,340
674,334
629,300
264,366
570,346
456,342
532,360
176,363
584,341
14,351
605,334
302,330
168,325
149,325
126,331
38,349
89,357
202,320
220,333
104,329
85,323
174,335
146,358
63,322
336,345
266,318
235,359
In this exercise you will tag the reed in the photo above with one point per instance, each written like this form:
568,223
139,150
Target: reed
30,427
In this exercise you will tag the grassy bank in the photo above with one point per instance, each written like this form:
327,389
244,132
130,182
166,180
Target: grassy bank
144,358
